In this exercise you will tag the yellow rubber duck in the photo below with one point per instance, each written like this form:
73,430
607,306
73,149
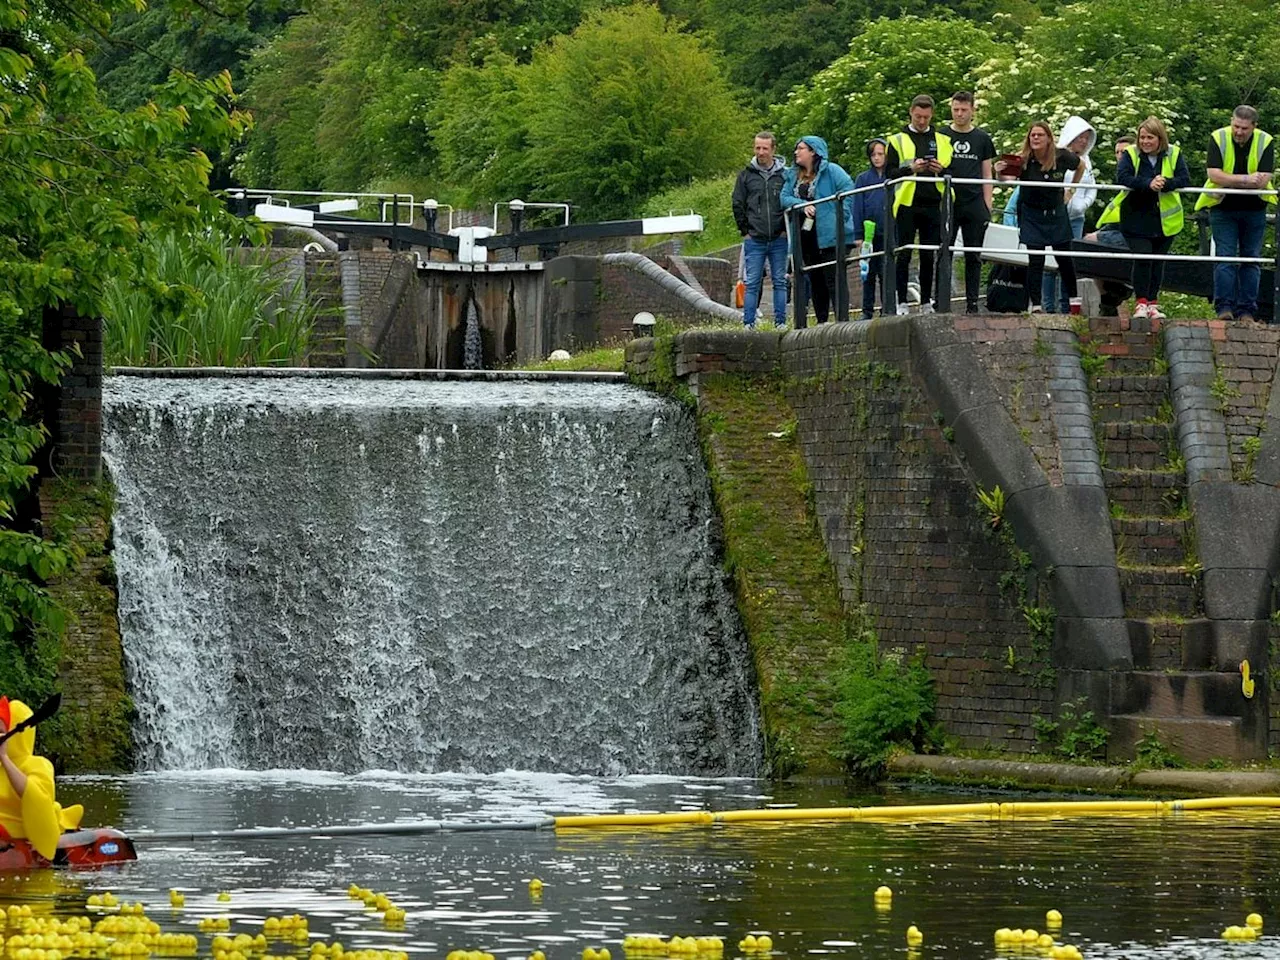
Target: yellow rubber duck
27,805
1053,919
1246,682
1254,920
914,936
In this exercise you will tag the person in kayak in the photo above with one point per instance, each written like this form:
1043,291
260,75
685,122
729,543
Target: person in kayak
28,810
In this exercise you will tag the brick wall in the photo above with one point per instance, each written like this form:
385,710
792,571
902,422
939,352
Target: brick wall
1245,357
623,292
908,538
75,421
896,506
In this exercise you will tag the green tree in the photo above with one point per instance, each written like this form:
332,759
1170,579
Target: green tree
344,95
79,184
1115,62
143,46
623,107
866,92
771,48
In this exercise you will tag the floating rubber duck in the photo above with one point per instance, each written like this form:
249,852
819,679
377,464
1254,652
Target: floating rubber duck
1004,935
914,936
177,898
1254,920
883,894
224,896
535,887
1053,919
537,955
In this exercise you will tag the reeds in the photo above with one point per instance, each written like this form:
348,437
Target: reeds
207,307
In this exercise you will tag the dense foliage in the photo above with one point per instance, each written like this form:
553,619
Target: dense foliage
209,304
866,92
80,184
606,117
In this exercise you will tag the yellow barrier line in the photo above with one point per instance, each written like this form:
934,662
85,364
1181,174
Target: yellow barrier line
941,811
1227,803
634,819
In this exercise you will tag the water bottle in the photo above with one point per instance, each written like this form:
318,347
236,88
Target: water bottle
868,245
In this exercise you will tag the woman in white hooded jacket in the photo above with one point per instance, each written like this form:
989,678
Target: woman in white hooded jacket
1079,137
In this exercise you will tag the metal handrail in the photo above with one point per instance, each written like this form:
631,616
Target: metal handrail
945,249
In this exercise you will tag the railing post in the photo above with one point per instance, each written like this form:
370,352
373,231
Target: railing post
395,220
889,258
842,276
942,282
799,292
1202,231
1275,296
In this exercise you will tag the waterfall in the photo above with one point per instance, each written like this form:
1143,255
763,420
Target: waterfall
472,347
422,576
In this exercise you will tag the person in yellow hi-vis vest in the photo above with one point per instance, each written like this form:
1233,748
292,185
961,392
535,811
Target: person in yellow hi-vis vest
28,810
1241,157
1150,214
921,150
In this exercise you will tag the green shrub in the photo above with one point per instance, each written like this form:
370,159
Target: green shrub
883,701
206,308
713,199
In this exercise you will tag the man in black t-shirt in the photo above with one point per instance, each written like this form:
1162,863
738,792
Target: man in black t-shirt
1241,157
971,158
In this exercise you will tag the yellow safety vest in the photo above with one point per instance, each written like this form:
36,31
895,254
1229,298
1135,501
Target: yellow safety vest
1170,203
905,193
1261,140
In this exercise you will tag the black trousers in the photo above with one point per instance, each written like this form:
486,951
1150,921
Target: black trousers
971,218
822,280
1035,272
875,274
928,222
1148,275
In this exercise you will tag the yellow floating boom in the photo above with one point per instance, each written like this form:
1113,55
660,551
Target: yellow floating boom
1039,810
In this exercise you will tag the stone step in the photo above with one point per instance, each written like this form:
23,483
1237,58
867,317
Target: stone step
1137,446
1149,385
1150,541
1177,644
1157,591
1146,493
1183,693
1128,366
1130,397
1195,740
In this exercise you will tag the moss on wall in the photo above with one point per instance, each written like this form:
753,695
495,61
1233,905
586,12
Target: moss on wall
92,730
786,587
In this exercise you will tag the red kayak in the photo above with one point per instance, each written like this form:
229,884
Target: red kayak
76,849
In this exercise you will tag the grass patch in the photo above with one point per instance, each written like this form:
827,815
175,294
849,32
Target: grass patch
609,359
713,199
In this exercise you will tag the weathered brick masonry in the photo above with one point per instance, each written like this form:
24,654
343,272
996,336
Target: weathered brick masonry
904,421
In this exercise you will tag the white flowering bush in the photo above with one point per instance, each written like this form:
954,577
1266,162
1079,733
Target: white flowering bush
866,93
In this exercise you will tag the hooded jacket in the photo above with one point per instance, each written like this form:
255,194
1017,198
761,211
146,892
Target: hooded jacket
35,815
1083,198
757,204
831,179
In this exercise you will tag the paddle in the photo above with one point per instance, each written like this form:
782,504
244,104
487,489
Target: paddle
43,713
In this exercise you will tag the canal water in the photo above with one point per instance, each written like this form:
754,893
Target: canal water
1128,888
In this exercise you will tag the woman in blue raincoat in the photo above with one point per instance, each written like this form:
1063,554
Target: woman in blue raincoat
812,178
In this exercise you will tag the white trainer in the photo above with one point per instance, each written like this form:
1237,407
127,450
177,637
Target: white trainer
903,310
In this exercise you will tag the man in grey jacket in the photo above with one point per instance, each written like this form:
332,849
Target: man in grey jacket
757,209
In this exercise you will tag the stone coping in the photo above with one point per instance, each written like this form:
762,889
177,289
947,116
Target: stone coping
491,376
1072,777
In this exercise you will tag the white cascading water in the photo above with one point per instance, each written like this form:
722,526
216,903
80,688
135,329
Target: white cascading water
423,576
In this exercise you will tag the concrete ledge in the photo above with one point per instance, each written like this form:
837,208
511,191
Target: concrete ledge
1068,776
492,376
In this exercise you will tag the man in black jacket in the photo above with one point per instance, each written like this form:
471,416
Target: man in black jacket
757,209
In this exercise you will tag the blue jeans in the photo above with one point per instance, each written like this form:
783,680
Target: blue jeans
755,252
1052,290
1237,233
